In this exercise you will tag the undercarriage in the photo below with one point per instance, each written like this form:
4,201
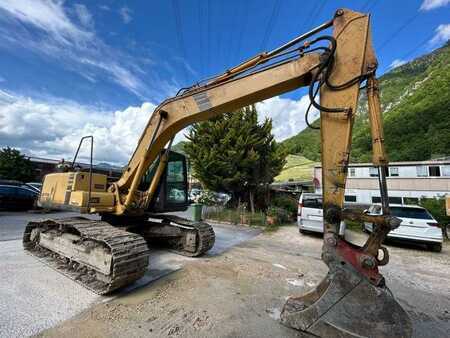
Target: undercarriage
104,257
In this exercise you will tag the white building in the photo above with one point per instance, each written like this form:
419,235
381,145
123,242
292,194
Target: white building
407,181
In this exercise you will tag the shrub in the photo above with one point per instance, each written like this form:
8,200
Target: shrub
207,197
289,204
281,215
436,207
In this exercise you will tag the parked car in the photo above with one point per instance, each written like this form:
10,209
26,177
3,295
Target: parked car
195,193
34,186
222,198
13,197
417,225
310,214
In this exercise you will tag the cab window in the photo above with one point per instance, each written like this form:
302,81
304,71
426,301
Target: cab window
176,182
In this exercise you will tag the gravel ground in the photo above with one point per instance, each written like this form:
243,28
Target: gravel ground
240,292
33,297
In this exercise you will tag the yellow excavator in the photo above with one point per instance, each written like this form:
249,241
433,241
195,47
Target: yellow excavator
107,254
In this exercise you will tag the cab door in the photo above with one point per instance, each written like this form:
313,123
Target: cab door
172,191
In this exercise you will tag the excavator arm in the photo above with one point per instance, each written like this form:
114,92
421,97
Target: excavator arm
352,300
203,103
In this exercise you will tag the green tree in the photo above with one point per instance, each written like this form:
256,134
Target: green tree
436,206
415,101
235,154
14,166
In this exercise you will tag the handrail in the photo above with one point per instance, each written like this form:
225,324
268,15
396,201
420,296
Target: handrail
90,164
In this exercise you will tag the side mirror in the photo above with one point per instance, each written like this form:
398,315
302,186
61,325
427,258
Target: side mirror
366,211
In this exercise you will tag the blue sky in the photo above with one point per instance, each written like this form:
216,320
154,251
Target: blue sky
74,67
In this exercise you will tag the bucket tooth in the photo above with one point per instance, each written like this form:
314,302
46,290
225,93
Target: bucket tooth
347,305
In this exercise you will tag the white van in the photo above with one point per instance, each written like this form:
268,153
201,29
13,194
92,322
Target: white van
417,225
310,214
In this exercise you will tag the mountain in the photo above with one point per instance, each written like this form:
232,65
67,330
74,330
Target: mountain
415,100
297,168
179,147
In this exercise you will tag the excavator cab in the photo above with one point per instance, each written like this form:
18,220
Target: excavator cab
172,192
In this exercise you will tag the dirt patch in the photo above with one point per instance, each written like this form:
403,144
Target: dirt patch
240,293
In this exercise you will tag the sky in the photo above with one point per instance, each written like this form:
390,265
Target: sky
75,68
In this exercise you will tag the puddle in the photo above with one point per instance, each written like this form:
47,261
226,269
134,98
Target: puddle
295,282
279,266
274,313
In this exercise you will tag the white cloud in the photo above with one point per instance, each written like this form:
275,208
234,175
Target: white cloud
104,7
53,127
397,63
84,15
45,28
442,34
288,115
48,16
125,13
432,4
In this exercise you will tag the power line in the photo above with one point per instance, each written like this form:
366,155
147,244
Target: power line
372,6
208,25
200,24
322,5
313,14
363,7
308,19
413,50
272,21
176,9
219,31
242,30
228,47
398,30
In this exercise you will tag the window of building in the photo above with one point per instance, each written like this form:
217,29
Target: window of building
393,171
350,198
373,172
446,170
434,170
352,172
421,171
410,200
395,200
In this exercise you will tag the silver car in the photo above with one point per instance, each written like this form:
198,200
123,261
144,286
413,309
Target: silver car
310,214
417,225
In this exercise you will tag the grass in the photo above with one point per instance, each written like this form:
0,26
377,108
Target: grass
236,216
353,225
297,168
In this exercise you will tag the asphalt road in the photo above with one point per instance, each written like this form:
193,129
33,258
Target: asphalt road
34,297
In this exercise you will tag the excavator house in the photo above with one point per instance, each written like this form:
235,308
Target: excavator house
104,255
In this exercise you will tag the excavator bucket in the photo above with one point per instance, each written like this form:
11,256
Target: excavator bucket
352,300
346,304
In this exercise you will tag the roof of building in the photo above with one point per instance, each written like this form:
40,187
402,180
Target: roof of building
101,166
400,164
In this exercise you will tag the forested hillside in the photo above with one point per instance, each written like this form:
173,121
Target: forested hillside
415,101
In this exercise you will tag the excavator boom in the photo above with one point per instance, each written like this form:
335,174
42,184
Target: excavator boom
352,300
